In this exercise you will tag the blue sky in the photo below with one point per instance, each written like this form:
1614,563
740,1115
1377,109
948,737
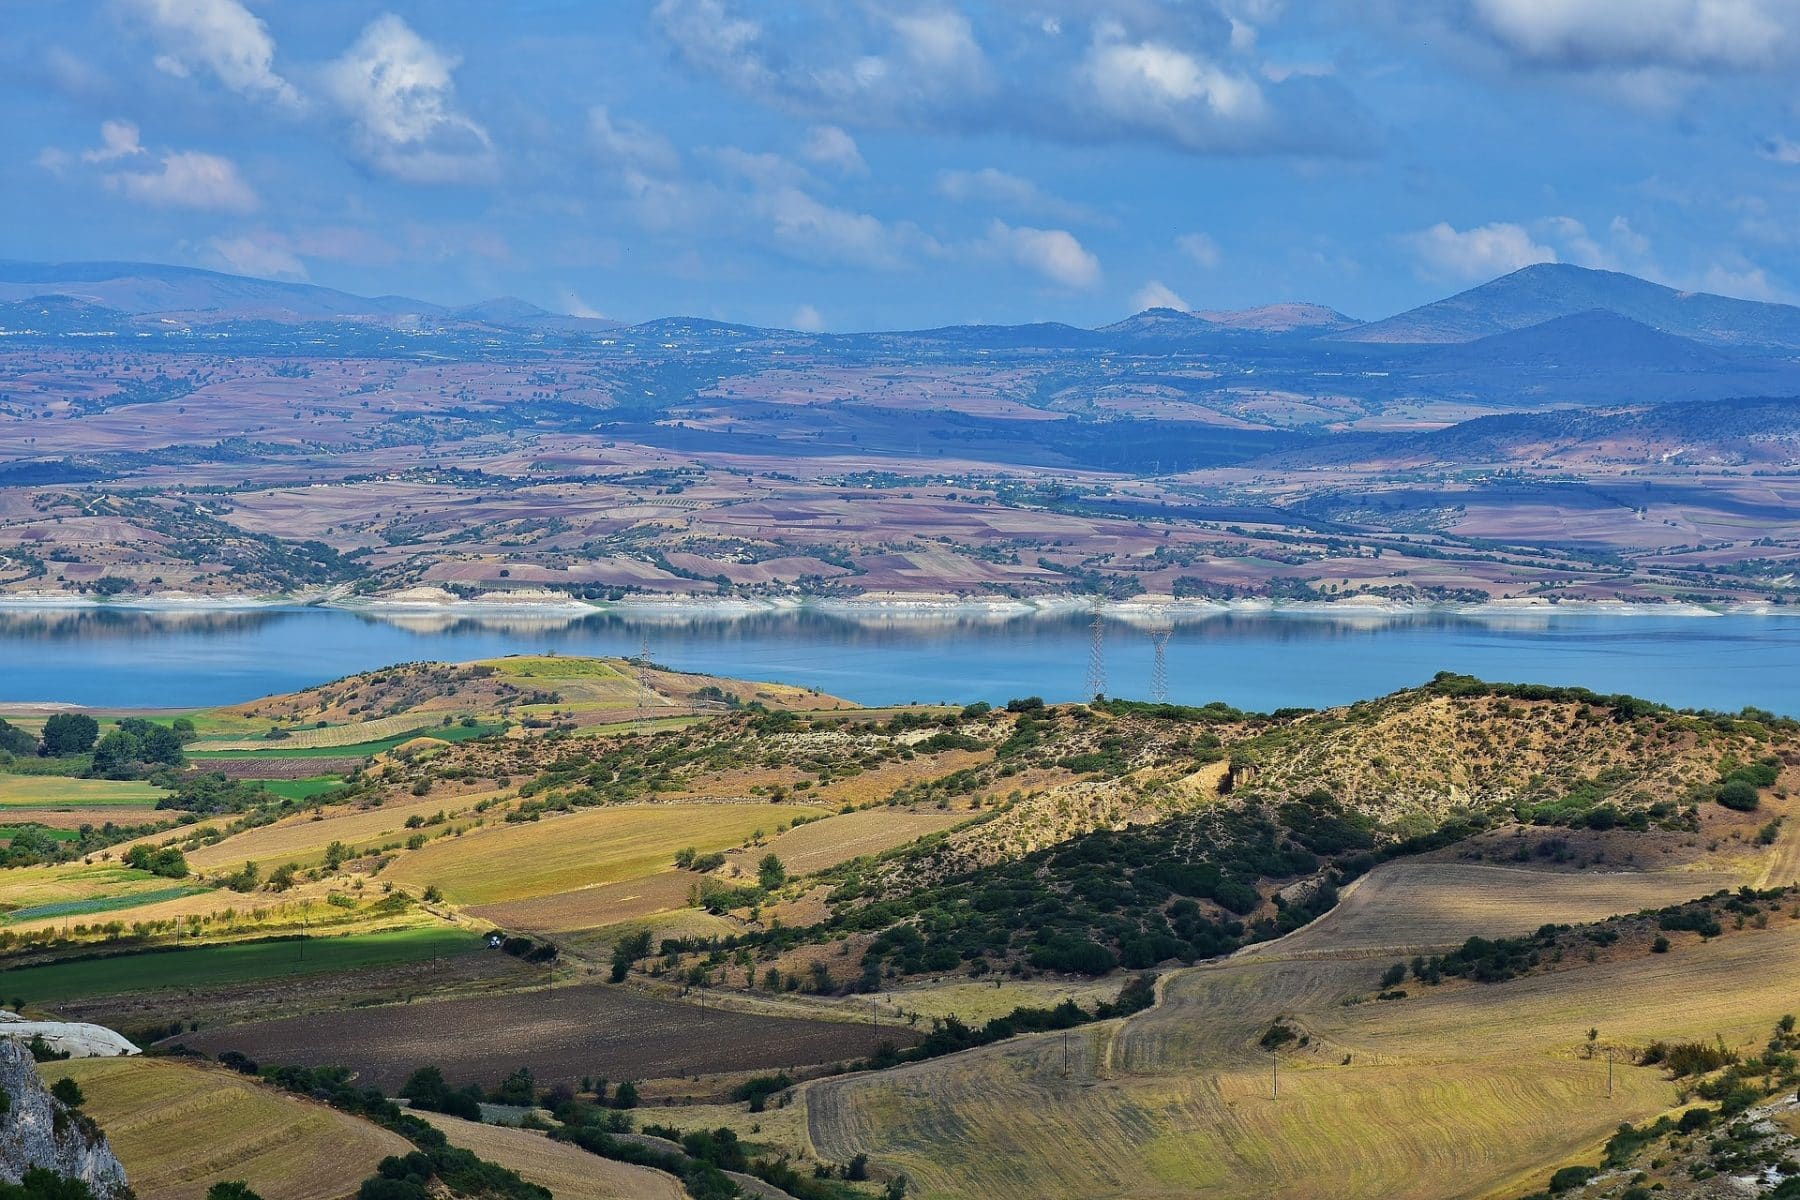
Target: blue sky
875,165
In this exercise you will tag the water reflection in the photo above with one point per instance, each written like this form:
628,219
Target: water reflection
1256,660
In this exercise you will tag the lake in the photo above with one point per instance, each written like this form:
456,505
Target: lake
133,659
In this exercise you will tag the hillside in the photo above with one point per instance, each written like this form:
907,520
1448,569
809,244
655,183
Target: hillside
1540,293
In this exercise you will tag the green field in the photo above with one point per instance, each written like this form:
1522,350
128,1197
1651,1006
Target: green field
453,733
54,791
241,962
302,789
7,832
99,904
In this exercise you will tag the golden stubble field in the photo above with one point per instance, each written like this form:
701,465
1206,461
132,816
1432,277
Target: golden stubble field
180,1127
1459,1091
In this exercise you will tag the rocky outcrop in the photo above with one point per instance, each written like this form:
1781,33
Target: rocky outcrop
75,1039
37,1130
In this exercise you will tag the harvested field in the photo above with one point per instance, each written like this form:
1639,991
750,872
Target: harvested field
595,907
1415,907
280,768
821,844
1454,1091
570,1172
301,839
75,818
58,792
594,846
180,1127
302,738
561,1034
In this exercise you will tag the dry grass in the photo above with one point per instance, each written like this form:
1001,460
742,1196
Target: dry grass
55,791
570,1172
302,839
179,1128
1451,1092
595,846
353,734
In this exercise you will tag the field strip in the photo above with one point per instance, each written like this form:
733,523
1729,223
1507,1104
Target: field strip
570,1172
179,1128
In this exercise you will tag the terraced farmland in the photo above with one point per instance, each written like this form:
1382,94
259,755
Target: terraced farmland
570,1172
1442,1094
179,1128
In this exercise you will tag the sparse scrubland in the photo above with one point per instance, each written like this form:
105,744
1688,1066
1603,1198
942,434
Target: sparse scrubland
1033,950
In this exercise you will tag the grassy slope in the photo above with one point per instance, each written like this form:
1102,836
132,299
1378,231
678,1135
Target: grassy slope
593,846
179,1128
51,791
1446,1094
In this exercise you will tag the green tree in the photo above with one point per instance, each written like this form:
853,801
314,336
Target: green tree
69,1092
70,733
770,873
235,1189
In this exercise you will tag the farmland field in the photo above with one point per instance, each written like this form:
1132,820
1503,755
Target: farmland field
570,1172
302,839
179,1128
280,750
593,846
329,736
1438,1095
561,1034
56,791
208,966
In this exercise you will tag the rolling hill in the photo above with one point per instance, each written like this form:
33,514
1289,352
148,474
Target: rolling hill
1550,290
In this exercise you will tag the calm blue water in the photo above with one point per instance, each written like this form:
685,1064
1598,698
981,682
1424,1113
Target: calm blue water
135,659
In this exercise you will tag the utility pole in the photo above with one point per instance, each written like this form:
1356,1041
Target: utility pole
1275,1072
1609,1060
1096,669
1065,1048
643,679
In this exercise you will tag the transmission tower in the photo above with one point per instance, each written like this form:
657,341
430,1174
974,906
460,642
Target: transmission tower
1096,669
1159,662
643,678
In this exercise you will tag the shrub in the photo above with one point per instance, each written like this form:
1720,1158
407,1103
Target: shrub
1739,794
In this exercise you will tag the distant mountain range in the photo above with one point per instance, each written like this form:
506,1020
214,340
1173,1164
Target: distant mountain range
1591,320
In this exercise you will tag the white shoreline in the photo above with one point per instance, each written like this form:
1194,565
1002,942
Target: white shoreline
895,606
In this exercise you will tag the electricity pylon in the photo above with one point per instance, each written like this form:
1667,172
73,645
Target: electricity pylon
1159,662
1096,670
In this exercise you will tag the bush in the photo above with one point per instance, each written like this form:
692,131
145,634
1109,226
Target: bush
69,1092
1571,1177
1739,794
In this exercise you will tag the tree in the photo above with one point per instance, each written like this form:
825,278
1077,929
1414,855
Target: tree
1739,794
626,1095
69,1092
70,733
235,1189
770,873
16,741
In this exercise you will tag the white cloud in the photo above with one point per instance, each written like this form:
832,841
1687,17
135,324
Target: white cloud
1156,294
1055,254
829,146
1444,252
1702,35
399,93
807,319
808,228
1155,87
262,256
223,37
1200,249
575,306
993,186
627,143
189,179
1741,279
118,139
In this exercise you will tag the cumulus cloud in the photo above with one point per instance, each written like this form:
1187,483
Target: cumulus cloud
1700,35
1055,254
830,146
220,36
1445,252
118,139
399,94
1194,83
805,227
1200,249
990,185
251,254
189,179
807,319
1156,294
